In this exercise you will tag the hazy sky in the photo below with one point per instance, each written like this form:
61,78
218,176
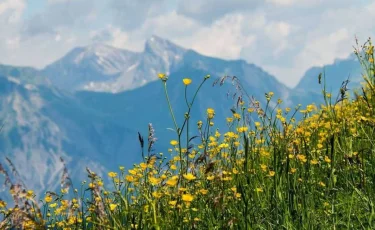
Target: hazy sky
284,37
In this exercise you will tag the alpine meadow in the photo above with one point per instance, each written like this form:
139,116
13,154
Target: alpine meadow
274,166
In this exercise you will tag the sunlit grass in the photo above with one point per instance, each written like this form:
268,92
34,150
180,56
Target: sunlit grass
266,171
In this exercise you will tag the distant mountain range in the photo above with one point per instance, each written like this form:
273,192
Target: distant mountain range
103,68
336,73
88,106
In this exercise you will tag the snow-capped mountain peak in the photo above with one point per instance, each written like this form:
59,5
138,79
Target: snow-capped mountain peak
98,50
100,67
104,58
159,46
163,48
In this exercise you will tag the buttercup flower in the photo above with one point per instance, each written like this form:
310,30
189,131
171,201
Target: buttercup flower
112,174
189,176
186,81
187,198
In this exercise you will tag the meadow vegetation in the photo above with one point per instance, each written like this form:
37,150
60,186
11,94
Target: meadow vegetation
268,170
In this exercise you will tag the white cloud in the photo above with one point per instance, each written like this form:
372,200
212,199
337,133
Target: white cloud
130,14
332,39
209,11
56,1
281,2
12,10
112,36
224,38
277,34
73,14
57,37
11,5
13,43
41,38
285,37
172,26
306,3
275,30
285,75
169,24
371,7
325,49
316,39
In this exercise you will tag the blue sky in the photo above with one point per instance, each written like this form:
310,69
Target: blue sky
284,37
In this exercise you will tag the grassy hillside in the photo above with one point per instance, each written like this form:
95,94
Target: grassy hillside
266,171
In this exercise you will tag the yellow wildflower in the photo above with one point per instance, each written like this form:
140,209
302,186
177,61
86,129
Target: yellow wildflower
172,182
112,206
186,81
162,76
187,197
210,113
242,129
211,177
237,116
3,204
29,194
143,165
263,167
174,142
189,176
48,198
129,178
173,167
203,191
157,194
112,174
154,181
326,159
172,202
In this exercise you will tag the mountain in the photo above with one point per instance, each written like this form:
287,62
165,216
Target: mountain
83,67
147,104
26,75
88,106
335,74
107,69
42,124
